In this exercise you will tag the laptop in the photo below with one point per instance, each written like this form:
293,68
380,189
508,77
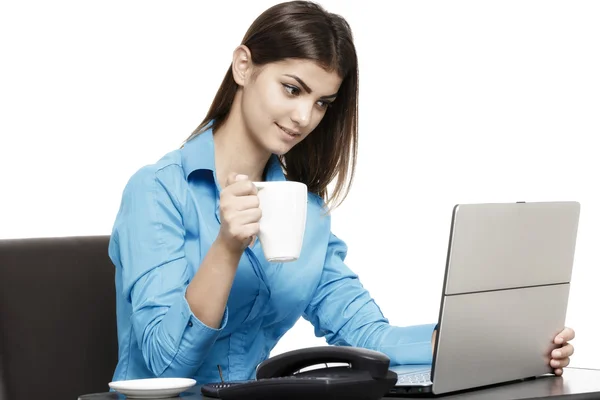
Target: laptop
504,297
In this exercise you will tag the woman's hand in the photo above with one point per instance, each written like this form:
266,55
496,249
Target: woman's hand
239,212
559,358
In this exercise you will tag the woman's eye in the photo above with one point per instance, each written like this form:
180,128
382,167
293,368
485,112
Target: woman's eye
293,90
323,104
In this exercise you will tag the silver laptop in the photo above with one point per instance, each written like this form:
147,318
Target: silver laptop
504,297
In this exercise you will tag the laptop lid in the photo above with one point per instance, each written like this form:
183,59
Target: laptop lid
505,292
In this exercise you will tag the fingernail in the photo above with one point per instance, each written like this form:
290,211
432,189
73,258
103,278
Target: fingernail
241,177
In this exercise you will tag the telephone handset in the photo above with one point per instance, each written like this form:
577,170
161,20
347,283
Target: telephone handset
375,363
366,376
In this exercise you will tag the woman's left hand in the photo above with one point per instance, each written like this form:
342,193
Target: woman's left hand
560,356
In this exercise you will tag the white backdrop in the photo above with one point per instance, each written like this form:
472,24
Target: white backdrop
461,101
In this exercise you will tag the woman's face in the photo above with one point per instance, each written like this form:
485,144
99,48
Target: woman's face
283,102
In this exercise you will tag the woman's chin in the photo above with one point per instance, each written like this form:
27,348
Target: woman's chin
280,148
280,152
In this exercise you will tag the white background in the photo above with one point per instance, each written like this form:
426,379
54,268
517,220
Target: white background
461,101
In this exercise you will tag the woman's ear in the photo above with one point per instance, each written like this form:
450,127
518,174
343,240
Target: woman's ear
241,65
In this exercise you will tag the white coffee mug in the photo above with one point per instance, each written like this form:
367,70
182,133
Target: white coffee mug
281,232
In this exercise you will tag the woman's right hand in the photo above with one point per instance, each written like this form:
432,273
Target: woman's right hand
239,212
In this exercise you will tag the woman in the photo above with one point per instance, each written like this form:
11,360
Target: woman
193,296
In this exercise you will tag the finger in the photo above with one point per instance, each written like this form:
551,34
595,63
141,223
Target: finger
249,231
564,336
246,217
242,187
558,371
233,177
248,202
563,362
244,232
231,206
568,334
563,352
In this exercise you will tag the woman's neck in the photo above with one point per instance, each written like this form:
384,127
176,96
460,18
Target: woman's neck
236,152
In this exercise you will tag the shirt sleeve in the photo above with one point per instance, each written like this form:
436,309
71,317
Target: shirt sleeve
149,240
345,314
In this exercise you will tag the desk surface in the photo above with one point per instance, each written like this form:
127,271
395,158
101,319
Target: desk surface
575,384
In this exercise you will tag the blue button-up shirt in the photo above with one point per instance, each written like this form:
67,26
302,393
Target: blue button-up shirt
167,221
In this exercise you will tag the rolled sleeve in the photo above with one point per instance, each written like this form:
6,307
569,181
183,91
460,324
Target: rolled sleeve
188,337
408,344
155,274
343,311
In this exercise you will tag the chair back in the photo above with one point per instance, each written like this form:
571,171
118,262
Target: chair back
58,335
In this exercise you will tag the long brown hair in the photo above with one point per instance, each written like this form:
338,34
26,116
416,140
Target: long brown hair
304,30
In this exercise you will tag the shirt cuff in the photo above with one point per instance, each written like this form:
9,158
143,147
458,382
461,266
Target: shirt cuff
409,345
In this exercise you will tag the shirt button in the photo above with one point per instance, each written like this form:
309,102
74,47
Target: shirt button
190,324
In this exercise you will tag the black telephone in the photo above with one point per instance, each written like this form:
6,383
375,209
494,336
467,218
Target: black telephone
366,376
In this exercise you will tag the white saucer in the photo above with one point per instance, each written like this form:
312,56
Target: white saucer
152,388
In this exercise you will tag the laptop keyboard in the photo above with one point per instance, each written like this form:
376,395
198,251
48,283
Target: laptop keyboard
416,378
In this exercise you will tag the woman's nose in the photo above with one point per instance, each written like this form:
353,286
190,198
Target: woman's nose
302,114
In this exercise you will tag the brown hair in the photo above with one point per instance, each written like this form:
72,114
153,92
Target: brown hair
304,30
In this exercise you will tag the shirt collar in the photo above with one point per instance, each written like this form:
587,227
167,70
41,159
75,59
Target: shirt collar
199,154
274,169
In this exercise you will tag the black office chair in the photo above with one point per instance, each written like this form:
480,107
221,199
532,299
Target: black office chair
58,335
3,395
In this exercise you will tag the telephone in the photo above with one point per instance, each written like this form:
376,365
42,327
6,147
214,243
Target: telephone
366,376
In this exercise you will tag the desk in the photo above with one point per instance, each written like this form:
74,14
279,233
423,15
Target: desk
575,384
